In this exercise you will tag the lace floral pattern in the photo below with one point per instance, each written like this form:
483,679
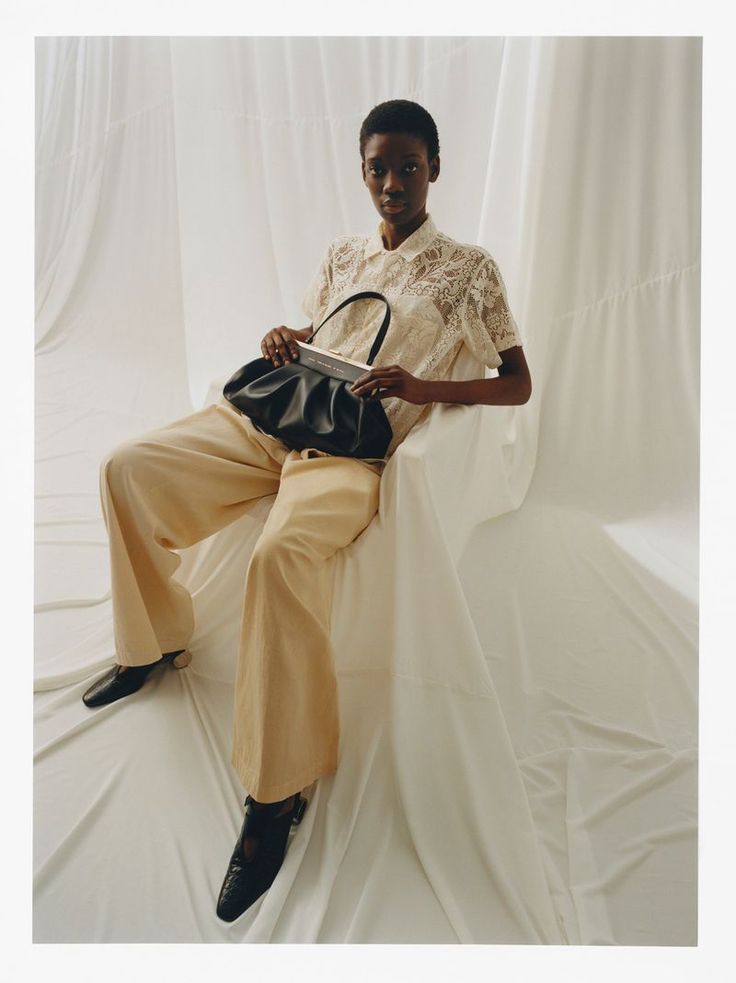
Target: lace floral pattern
442,294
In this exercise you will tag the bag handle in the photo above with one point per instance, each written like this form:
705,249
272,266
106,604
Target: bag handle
380,335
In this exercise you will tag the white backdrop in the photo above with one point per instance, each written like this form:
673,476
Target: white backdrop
519,701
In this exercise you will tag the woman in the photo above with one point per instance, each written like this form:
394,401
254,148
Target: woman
177,485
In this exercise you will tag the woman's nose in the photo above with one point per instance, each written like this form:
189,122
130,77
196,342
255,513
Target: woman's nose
392,184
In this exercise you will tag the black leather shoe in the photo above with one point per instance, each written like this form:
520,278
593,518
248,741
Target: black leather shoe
246,880
114,685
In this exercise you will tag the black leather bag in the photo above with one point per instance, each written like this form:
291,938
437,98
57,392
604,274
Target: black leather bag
310,405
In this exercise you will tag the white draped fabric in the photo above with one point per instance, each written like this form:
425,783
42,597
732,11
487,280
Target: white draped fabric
516,631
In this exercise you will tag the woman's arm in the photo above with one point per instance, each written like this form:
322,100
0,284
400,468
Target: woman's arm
513,385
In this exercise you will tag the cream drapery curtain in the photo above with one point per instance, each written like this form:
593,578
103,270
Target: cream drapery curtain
518,697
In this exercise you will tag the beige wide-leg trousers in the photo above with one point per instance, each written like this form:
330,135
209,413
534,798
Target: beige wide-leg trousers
178,484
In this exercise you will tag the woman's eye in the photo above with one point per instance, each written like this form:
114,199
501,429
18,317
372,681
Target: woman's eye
378,171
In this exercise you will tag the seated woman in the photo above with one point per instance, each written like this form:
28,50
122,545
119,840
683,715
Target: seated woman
177,485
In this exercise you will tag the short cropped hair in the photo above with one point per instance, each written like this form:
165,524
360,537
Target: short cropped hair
400,116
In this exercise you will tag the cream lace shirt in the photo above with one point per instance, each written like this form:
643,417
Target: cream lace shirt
442,293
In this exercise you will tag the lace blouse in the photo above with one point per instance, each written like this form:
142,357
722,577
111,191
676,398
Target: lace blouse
442,293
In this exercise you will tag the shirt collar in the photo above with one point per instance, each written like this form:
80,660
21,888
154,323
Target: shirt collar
416,243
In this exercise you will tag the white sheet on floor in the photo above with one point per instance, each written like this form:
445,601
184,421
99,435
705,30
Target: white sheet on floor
516,632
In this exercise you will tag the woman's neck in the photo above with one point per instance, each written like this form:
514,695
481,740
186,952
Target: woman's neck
393,237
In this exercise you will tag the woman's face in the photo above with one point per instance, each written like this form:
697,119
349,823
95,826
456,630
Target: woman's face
396,169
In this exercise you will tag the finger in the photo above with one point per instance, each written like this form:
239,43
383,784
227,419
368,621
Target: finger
361,387
284,343
277,350
373,389
268,347
288,344
367,379
278,353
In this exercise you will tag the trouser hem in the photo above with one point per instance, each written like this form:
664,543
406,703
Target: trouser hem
269,792
133,659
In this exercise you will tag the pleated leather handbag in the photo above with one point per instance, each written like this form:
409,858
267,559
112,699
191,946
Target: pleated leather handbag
308,403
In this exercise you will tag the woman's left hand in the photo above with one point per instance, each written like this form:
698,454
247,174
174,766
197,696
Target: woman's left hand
393,381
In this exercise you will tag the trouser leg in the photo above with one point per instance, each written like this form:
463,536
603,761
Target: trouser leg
286,725
166,490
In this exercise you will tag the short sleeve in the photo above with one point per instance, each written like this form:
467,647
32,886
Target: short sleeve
316,300
487,322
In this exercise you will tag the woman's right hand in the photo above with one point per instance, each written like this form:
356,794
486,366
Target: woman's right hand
279,346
